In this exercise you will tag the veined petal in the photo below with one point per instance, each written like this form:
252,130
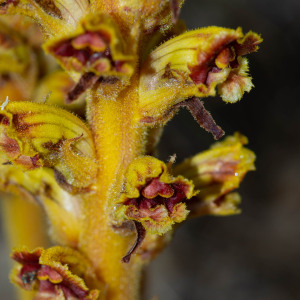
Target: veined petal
194,64
37,135
57,272
217,172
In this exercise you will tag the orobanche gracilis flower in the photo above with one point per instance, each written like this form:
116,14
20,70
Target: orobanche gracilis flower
125,68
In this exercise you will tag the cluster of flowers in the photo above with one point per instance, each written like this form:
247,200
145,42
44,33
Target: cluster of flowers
124,68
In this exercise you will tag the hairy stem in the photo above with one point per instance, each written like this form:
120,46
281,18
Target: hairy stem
118,140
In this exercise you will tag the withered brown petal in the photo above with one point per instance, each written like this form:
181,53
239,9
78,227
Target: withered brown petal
86,81
203,117
141,233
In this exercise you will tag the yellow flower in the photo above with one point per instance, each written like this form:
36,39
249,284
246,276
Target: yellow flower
216,173
194,64
153,197
95,46
128,66
55,273
36,135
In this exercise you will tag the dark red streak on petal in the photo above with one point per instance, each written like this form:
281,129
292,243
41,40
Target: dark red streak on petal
249,45
10,146
199,74
35,160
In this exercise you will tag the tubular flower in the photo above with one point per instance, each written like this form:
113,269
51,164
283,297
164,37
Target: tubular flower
154,200
125,77
194,64
216,173
55,273
47,156
96,47
153,197
67,148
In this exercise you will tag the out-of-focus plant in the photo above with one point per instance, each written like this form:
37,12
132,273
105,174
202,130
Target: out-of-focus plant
126,68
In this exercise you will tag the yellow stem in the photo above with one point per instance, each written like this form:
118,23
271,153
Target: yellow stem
24,224
118,140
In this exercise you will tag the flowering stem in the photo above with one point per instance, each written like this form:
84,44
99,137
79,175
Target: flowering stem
118,141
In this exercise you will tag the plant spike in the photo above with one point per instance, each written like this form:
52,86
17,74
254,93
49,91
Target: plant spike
78,133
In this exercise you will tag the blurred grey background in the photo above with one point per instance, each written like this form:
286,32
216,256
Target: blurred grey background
255,255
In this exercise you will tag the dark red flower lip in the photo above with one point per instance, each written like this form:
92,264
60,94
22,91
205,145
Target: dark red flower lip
157,201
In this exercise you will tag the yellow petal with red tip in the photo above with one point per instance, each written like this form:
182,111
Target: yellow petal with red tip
194,64
37,135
